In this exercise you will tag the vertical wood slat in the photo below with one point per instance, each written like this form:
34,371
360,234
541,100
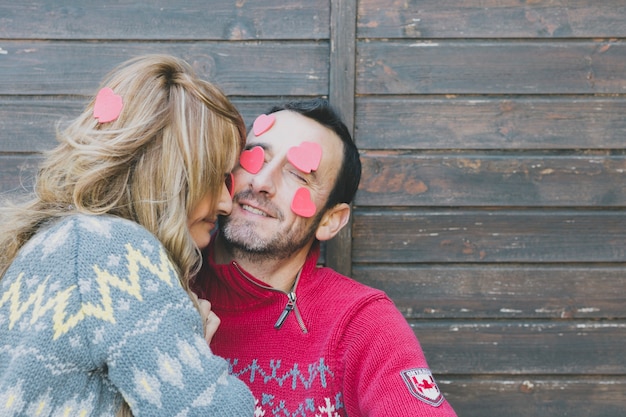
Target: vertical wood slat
341,96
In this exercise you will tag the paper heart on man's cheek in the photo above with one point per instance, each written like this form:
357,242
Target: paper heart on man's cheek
302,204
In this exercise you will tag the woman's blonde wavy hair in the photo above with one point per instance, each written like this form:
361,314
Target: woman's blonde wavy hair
174,140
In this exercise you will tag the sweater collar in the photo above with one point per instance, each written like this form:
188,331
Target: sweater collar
232,278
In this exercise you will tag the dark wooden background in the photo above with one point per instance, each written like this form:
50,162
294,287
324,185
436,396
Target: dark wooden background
493,141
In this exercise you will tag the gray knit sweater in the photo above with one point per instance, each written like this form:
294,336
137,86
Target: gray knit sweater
91,311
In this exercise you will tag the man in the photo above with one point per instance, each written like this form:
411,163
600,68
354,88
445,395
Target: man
307,340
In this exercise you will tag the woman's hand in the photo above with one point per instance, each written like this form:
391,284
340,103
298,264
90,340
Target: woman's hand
209,318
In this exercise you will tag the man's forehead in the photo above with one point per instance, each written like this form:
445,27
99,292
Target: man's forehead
290,128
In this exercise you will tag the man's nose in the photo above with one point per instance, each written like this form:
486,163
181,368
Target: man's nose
265,180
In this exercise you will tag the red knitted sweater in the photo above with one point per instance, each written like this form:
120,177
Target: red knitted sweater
342,350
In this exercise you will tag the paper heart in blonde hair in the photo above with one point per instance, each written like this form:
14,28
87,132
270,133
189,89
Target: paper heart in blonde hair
108,106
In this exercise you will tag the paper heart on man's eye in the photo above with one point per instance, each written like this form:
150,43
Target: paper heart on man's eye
252,159
306,157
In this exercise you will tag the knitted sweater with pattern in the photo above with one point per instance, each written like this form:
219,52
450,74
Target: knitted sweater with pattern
332,347
91,311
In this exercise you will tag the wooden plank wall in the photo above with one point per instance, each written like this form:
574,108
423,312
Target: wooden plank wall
492,134
492,209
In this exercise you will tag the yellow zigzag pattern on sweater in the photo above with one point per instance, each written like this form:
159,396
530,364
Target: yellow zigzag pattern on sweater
105,281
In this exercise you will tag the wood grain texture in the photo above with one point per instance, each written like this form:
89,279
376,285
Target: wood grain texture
491,67
239,68
491,19
518,347
501,291
341,97
521,396
164,20
563,179
491,122
465,235
28,123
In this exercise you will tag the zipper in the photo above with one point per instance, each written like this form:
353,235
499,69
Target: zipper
291,306
291,300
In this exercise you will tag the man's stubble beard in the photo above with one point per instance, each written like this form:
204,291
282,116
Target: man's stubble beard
242,241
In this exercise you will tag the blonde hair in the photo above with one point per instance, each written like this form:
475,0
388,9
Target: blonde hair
174,140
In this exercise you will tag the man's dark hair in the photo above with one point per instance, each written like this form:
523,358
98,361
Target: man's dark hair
349,173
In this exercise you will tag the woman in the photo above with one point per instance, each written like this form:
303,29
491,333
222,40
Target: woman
95,313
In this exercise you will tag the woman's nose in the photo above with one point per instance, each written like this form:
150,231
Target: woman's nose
225,202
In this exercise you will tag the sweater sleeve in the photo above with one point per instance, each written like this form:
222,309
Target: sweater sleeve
146,335
386,373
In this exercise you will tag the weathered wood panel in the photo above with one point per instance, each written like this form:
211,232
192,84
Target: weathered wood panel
164,20
495,291
491,67
523,396
491,19
490,206
400,236
506,347
28,123
341,96
487,122
493,179
239,68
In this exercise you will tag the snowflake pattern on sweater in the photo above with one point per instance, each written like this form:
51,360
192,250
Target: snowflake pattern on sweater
318,376
91,311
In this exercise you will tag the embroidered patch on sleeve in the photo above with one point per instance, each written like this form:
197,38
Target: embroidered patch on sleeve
422,385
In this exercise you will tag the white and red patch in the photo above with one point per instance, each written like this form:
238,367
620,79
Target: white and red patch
422,385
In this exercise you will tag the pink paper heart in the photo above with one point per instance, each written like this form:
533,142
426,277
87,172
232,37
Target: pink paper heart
302,204
262,124
305,157
252,159
108,106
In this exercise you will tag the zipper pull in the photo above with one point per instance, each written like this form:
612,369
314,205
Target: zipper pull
288,309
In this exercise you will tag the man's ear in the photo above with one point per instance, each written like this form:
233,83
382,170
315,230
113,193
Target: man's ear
333,221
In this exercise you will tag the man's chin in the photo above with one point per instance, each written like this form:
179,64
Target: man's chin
241,239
